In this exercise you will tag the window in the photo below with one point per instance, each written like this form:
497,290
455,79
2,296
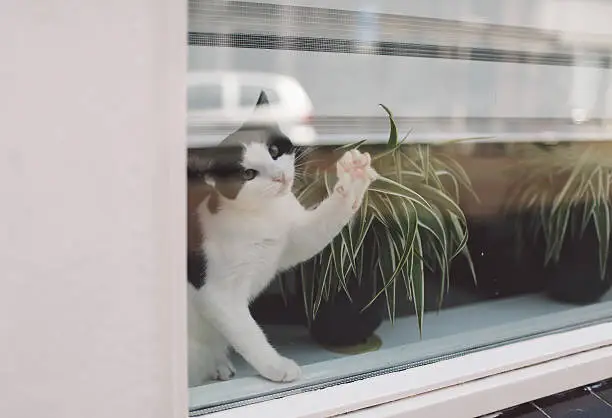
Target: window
499,230
205,97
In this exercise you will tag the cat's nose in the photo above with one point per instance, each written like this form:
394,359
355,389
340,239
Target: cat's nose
279,178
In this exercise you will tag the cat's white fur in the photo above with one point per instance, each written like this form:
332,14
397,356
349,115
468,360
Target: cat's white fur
250,239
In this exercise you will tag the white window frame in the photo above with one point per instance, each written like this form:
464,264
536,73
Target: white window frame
110,340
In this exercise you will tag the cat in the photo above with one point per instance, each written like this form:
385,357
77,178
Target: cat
253,228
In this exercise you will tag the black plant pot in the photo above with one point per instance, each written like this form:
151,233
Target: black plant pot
273,309
340,322
576,277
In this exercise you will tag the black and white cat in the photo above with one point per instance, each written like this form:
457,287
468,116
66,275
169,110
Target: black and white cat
253,227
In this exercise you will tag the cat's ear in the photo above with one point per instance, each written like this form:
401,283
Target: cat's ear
252,124
262,100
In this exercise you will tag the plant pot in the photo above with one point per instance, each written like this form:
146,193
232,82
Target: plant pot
576,277
340,324
502,268
272,309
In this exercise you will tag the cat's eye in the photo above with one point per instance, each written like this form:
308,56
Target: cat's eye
249,174
274,151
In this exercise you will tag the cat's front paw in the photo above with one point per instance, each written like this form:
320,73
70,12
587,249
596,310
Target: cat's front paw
225,370
281,369
355,173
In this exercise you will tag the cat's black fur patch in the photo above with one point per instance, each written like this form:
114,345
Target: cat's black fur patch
196,269
284,144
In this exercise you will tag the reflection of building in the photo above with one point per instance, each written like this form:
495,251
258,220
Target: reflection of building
466,68
368,22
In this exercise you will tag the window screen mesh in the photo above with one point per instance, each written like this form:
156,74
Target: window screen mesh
441,77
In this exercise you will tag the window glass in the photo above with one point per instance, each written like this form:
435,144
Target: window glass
489,224
204,97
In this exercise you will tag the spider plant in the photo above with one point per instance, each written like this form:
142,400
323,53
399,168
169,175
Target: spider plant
408,223
566,188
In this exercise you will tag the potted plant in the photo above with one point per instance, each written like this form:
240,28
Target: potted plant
564,195
408,228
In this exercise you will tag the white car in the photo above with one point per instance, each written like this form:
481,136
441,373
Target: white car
220,101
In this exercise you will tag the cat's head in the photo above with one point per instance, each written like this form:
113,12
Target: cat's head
253,164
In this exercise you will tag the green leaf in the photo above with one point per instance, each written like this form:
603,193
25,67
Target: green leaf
575,173
349,240
601,220
353,145
417,274
308,293
587,213
338,266
396,266
557,233
392,142
461,232
458,172
394,188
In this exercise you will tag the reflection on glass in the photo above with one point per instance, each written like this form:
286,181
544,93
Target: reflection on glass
490,222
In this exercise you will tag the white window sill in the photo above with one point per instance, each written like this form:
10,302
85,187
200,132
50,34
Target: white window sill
467,386
503,390
532,369
456,330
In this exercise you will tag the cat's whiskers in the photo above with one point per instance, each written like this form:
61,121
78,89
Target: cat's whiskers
309,162
305,153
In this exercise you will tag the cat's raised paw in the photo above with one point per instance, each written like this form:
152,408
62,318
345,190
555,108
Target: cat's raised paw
281,370
355,173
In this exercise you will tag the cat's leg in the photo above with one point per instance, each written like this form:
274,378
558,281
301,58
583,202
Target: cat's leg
315,229
224,368
207,348
201,363
205,364
209,357
228,311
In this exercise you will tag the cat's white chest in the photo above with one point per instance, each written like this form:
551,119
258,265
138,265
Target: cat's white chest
264,226
248,245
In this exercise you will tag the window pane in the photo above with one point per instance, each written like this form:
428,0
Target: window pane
202,97
489,224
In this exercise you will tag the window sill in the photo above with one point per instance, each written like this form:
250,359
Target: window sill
462,329
474,384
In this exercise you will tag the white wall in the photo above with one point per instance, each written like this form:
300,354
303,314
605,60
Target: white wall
92,212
